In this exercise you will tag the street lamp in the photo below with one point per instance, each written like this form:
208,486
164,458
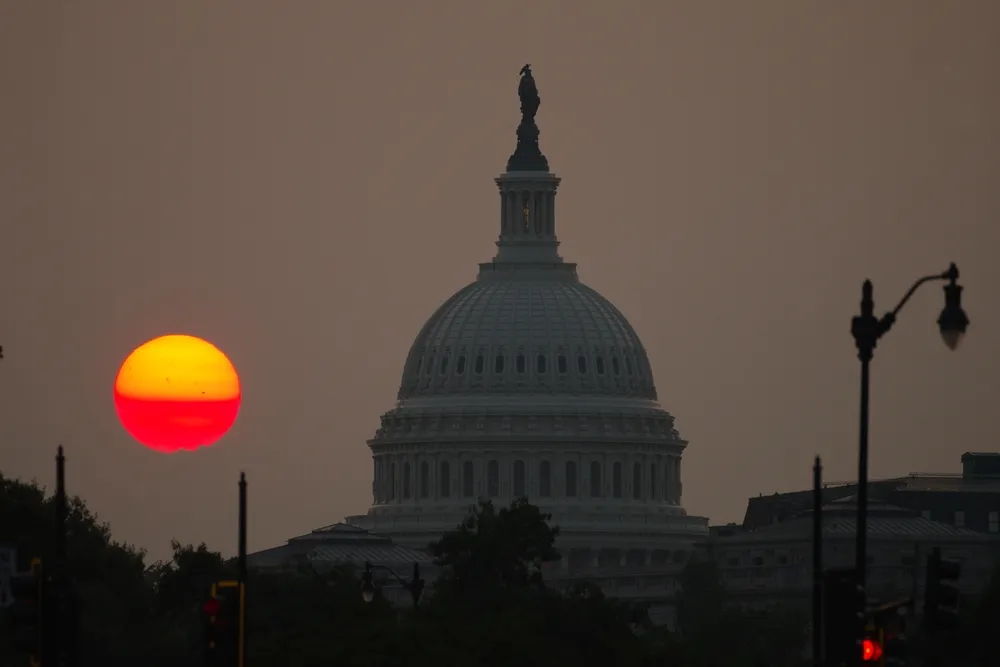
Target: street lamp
867,329
415,585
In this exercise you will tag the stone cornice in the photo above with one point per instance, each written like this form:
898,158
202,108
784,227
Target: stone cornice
638,428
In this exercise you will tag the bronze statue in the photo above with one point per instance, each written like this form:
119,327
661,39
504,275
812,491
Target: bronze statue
528,93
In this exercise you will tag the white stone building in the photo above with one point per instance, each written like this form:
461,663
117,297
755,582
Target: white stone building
528,383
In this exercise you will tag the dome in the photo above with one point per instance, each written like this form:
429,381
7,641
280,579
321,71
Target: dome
527,332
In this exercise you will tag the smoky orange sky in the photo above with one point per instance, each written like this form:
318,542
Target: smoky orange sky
303,183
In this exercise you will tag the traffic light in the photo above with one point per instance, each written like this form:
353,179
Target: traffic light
941,594
61,617
224,630
28,593
844,616
871,648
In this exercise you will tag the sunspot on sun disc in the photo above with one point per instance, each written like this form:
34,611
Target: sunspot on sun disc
177,392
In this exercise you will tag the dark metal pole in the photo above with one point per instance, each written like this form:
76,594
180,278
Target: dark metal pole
242,559
61,511
242,546
861,549
866,329
817,564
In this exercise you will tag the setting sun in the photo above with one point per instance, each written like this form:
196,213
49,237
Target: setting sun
177,392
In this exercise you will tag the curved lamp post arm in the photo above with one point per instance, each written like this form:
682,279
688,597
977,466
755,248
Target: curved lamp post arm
890,318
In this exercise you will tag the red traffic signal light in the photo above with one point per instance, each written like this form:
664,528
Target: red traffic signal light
871,650
212,606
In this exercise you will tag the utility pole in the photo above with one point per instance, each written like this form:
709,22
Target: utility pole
817,601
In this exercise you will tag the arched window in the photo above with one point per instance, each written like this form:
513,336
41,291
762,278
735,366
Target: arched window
652,481
540,364
444,480
616,480
468,487
561,364
444,364
570,479
637,481
460,365
406,481
498,364
429,368
595,479
493,479
479,365
425,479
581,364
520,363
519,480
615,366
600,365
392,481
545,479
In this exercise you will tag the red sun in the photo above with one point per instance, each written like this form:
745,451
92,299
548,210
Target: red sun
177,392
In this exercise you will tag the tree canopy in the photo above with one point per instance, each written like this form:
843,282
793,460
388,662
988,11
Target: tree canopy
492,606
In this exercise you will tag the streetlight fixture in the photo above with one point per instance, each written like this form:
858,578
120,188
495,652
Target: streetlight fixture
866,330
415,585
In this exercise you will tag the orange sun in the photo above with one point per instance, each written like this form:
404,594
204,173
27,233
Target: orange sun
177,392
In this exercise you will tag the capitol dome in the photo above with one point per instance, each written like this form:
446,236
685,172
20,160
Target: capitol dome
526,383
542,333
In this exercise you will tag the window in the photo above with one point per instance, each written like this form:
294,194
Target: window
616,480
540,364
960,518
479,365
545,479
444,364
468,488
406,481
460,366
519,490
392,481
615,366
600,365
492,479
637,481
429,368
519,363
425,479
571,479
498,364
561,363
444,480
652,481
595,479
994,522
581,364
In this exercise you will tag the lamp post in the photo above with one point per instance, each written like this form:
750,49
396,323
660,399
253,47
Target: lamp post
866,330
414,585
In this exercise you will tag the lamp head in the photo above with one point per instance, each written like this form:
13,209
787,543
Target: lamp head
953,321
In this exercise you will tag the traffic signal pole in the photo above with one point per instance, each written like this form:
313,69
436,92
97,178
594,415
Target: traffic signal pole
817,601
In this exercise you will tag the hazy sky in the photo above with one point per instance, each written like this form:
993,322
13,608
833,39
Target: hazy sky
303,183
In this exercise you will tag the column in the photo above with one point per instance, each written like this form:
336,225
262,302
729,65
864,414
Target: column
504,227
550,216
